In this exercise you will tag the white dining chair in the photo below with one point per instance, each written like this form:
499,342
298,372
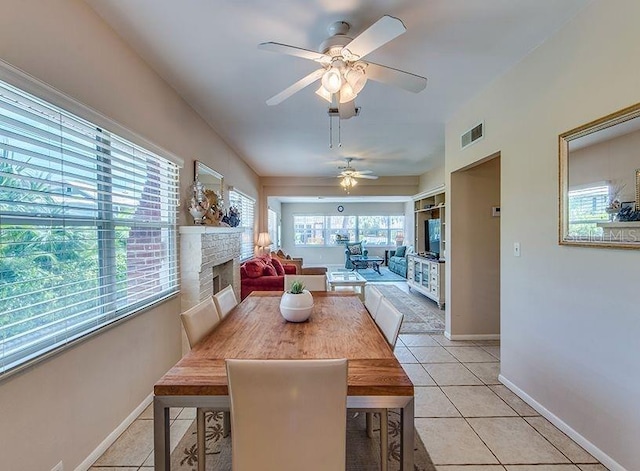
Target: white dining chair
372,298
225,300
389,320
198,322
311,282
288,415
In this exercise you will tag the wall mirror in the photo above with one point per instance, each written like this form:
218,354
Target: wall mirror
600,182
210,179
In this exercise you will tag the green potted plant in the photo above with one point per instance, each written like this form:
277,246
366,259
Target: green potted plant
296,303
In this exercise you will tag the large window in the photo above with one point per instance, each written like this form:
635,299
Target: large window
587,207
317,230
87,228
245,204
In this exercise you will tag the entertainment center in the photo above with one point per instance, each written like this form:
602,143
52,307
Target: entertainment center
425,268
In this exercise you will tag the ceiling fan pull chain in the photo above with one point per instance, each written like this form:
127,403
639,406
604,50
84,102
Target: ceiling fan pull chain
330,132
339,133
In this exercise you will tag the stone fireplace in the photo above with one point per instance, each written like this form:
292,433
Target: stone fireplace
209,261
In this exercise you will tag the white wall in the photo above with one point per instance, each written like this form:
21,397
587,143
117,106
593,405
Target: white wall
62,408
570,316
332,255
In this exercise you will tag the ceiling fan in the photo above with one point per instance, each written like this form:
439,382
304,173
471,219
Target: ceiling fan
350,175
343,71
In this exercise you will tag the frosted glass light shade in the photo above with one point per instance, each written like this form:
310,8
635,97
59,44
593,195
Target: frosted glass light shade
332,80
356,78
323,93
346,93
264,240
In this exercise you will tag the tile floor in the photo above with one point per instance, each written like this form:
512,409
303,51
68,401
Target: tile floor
467,420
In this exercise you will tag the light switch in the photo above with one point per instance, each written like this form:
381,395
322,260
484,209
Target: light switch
516,249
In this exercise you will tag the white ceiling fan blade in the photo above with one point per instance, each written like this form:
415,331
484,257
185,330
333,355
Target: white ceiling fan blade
368,177
364,172
296,87
376,35
295,51
399,78
347,110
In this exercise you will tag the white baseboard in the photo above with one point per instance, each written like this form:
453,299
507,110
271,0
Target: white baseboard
596,452
472,336
113,436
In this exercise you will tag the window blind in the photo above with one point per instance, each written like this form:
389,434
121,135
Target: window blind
246,206
87,228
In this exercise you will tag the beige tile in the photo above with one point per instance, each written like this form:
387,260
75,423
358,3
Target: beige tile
188,413
451,374
452,441
418,340
477,401
148,412
110,468
514,401
404,355
492,350
514,441
473,467
592,467
131,448
418,375
178,429
542,467
562,442
431,402
483,343
471,354
487,372
445,342
432,355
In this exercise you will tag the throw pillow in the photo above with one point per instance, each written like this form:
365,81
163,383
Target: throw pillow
254,268
269,271
278,266
355,249
401,251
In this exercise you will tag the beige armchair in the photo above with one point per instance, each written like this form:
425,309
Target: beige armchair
298,262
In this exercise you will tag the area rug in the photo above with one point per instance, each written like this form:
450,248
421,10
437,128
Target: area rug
363,453
421,315
385,275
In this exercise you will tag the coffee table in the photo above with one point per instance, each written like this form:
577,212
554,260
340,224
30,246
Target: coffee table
347,278
360,262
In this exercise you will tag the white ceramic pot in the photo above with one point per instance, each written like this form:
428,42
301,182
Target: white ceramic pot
296,307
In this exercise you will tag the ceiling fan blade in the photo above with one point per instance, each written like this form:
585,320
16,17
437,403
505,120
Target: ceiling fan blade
368,177
399,78
296,87
347,110
376,35
364,172
295,51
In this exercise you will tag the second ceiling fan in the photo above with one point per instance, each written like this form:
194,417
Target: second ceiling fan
343,71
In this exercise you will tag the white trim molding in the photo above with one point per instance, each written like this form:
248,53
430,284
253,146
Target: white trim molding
113,436
472,336
596,452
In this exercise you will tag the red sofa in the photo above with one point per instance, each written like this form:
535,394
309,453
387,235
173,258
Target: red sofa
263,274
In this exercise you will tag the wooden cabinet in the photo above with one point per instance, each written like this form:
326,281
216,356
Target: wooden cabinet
427,277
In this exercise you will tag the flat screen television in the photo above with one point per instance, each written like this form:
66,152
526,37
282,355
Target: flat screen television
432,237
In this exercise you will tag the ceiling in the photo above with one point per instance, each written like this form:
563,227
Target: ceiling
206,50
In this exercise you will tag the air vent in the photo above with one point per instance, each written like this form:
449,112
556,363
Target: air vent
472,135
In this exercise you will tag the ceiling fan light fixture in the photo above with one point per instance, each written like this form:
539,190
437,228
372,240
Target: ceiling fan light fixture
323,93
332,80
356,78
346,93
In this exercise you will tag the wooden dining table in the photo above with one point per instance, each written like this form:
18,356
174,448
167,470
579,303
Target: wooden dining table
339,327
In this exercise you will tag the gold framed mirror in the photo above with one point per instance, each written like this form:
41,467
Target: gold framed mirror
210,179
600,182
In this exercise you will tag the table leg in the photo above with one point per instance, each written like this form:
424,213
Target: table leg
407,439
376,267
161,436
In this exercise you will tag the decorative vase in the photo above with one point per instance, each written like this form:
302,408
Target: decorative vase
198,202
296,307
